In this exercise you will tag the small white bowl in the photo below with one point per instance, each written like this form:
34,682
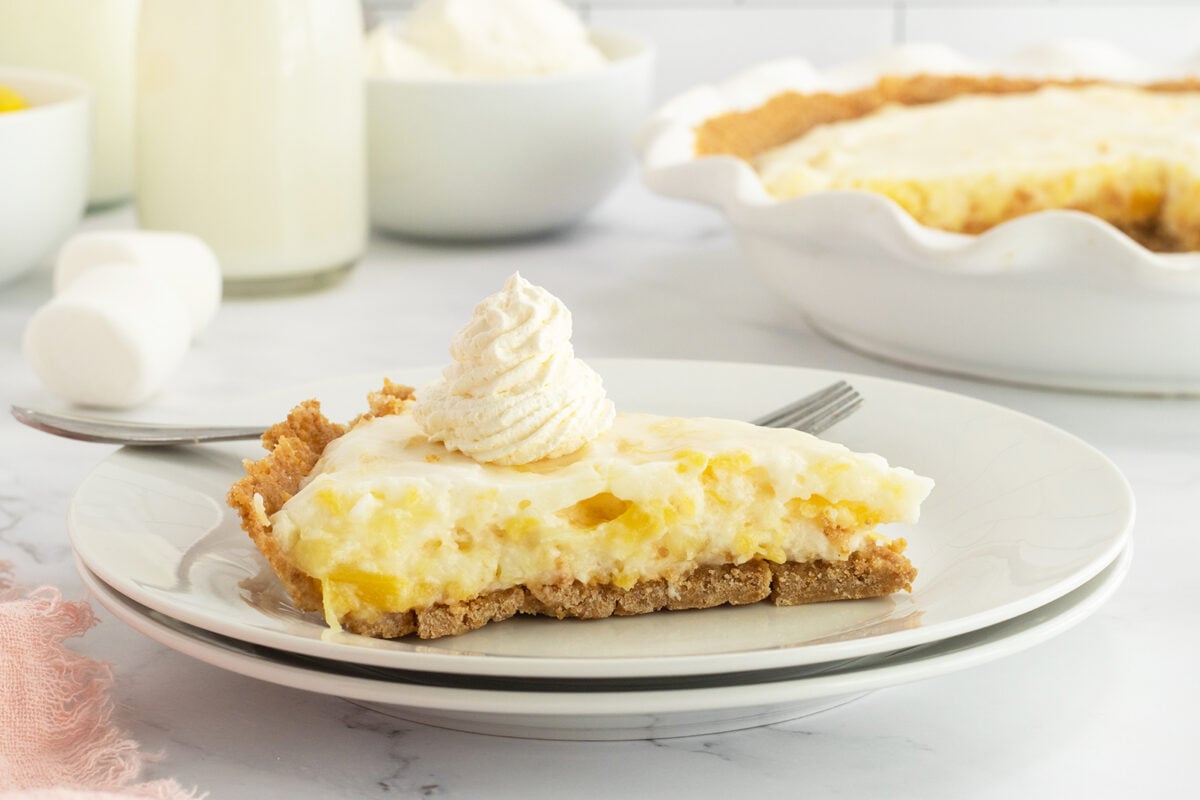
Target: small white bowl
485,159
44,157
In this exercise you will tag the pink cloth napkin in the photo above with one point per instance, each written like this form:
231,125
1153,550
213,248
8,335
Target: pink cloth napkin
56,738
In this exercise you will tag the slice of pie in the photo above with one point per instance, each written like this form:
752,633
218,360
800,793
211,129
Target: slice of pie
512,486
965,153
388,533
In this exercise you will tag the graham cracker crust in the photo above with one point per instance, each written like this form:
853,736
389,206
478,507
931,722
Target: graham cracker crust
296,444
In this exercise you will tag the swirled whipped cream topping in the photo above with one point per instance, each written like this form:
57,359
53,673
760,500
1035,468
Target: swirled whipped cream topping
515,393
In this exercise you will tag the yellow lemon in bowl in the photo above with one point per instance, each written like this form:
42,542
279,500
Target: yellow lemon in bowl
11,100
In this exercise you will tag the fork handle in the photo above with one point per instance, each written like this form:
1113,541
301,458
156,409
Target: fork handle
131,433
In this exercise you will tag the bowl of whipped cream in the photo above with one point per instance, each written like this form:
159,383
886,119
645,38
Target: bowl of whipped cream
491,120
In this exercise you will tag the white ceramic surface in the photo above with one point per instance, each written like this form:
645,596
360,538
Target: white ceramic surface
1022,514
43,167
1057,298
546,713
483,159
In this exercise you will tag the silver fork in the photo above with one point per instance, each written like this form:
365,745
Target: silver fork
813,414
817,412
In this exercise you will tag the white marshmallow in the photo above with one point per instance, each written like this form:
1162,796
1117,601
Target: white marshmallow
111,338
185,260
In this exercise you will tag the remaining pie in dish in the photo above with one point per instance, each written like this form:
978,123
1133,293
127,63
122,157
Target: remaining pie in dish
427,515
966,153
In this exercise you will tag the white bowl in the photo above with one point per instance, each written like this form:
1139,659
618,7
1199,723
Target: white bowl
43,167
1057,298
483,159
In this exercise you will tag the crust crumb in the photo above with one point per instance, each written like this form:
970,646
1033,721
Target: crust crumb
391,399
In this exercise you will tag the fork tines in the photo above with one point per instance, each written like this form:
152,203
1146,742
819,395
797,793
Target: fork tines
816,412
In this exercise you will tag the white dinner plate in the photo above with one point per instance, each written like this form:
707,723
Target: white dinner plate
1022,514
607,715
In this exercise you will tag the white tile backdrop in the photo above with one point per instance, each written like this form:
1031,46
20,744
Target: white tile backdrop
705,40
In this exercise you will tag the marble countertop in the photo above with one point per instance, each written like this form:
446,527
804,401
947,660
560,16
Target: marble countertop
1105,710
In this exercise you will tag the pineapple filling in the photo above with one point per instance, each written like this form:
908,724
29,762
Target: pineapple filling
383,533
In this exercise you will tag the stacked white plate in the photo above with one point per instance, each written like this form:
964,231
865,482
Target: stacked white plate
1026,534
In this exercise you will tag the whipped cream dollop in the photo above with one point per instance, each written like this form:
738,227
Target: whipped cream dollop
482,39
515,393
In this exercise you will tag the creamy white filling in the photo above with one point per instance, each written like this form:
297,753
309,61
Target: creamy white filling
654,497
1053,129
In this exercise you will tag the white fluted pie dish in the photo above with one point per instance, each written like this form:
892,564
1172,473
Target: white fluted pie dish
1054,298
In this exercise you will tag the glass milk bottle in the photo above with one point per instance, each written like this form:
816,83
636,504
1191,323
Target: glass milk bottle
250,135
94,41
